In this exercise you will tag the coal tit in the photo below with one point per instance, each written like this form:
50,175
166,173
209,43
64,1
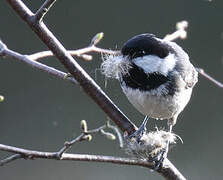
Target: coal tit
155,75
160,77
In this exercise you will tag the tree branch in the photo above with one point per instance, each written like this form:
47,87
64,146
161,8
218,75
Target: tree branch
87,135
87,83
169,172
208,77
44,9
78,52
10,159
4,51
179,33
182,34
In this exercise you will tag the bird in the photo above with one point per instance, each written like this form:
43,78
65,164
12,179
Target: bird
157,77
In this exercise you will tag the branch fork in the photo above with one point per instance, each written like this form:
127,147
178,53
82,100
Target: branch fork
86,135
43,10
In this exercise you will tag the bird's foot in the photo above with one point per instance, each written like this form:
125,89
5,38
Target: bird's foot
141,131
162,156
163,153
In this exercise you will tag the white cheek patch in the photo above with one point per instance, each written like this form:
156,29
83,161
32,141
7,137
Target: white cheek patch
152,63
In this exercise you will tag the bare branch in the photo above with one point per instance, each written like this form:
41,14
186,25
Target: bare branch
44,54
4,51
207,76
10,159
115,129
86,135
44,9
79,52
95,49
169,172
180,33
85,81
67,145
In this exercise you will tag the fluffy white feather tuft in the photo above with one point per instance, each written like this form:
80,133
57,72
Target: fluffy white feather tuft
112,66
151,144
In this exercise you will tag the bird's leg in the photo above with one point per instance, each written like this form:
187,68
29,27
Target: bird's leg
170,127
164,152
142,129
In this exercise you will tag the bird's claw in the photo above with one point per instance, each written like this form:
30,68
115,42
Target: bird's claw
138,135
163,153
162,156
141,131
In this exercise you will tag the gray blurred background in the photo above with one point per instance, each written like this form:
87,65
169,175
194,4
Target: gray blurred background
40,112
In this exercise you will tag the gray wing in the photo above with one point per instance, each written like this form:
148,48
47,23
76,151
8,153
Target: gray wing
184,67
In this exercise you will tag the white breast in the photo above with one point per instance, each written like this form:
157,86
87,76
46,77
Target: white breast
158,106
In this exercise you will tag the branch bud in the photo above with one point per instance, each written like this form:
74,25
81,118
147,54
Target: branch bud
97,38
1,98
108,135
182,25
88,137
87,57
83,125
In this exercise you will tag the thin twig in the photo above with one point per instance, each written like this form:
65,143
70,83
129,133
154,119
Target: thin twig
203,73
50,70
179,33
182,34
115,129
79,52
86,135
67,145
44,9
10,159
